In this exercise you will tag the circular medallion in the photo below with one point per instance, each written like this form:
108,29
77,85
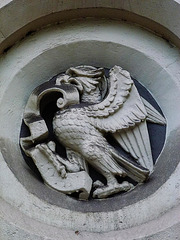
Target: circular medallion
89,132
55,102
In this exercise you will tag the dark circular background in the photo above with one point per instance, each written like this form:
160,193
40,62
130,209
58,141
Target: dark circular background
34,182
48,110
29,175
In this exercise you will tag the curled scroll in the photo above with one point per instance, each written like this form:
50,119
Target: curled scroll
32,115
78,181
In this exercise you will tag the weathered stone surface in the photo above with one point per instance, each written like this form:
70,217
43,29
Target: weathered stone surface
150,15
150,59
123,113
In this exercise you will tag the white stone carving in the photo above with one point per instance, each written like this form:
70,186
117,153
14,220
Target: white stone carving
90,107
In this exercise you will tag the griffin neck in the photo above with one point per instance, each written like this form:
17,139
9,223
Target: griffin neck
93,96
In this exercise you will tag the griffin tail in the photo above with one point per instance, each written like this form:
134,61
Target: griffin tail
133,170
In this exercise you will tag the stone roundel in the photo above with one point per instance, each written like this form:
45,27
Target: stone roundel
51,51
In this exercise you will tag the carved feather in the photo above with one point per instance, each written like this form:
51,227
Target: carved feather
152,114
120,87
136,142
127,120
131,113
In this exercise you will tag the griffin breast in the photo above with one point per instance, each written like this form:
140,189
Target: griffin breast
73,129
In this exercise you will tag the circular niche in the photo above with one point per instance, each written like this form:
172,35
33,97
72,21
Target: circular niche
102,43
48,109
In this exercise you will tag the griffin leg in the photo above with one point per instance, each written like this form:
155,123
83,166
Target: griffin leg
111,180
112,187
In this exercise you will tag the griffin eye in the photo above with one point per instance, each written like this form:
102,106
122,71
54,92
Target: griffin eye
73,81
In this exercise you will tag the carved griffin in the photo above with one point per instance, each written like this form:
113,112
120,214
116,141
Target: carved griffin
111,106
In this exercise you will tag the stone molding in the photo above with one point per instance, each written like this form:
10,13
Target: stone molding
154,15
20,71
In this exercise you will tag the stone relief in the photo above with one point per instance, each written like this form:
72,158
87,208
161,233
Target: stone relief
89,107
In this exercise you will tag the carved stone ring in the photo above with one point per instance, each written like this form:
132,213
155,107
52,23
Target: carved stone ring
91,106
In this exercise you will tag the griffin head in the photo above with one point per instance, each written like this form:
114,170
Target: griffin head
88,80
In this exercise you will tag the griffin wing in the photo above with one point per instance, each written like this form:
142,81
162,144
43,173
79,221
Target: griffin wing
123,114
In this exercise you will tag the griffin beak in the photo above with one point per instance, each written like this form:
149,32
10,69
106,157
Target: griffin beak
76,83
65,79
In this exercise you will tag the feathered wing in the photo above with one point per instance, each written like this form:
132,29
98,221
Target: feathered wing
118,93
136,142
123,114
152,114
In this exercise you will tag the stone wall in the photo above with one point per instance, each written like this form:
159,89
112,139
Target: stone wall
41,38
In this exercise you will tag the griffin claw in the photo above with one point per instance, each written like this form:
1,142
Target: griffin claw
112,189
